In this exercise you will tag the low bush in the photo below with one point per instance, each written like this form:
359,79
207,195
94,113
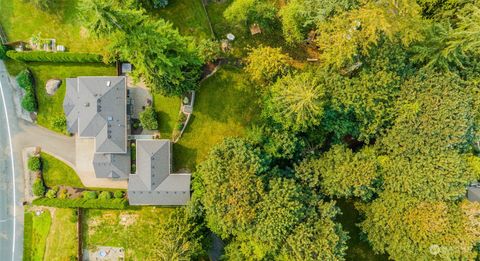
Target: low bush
3,52
38,188
89,194
82,203
148,118
118,194
51,193
29,102
105,195
63,194
34,163
60,123
40,56
25,79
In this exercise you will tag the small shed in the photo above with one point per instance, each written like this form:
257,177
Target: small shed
255,29
473,192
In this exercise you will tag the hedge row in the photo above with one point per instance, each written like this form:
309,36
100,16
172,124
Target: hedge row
25,80
41,56
82,203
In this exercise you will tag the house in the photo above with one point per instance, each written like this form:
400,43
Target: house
154,183
473,192
96,108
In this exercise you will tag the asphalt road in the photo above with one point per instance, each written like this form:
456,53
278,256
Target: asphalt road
11,179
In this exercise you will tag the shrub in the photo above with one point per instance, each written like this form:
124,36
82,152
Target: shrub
160,3
118,194
63,194
25,79
51,193
180,126
34,163
148,118
82,203
105,195
41,56
3,52
208,50
38,188
89,194
60,123
29,102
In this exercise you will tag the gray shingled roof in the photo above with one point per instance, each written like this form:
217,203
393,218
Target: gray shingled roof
96,107
154,184
115,166
473,193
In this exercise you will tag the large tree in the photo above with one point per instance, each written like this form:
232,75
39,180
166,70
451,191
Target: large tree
297,101
266,64
300,16
346,38
232,188
411,229
163,59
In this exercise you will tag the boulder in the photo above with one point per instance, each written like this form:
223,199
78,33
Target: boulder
52,86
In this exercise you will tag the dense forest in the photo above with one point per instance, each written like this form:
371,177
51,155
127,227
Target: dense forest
388,118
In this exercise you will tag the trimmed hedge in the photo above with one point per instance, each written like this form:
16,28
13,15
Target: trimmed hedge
25,80
82,203
38,188
41,56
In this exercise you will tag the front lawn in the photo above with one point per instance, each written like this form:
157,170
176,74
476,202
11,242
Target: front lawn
129,229
51,107
36,230
62,239
225,106
20,20
57,173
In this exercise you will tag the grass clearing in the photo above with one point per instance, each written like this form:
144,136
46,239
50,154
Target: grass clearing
225,106
56,173
51,107
62,239
129,229
21,20
358,249
167,109
35,234
188,16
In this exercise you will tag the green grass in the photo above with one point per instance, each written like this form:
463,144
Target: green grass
225,106
56,173
358,249
62,239
35,235
167,109
188,16
106,228
21,20
50,107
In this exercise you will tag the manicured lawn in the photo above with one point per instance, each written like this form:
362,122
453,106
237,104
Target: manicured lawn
62,239
129,229
50,107
21,20
188,16
35,235
167,109
225,106
357,249
56,173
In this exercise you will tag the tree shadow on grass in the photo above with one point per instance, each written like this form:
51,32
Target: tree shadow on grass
183,158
